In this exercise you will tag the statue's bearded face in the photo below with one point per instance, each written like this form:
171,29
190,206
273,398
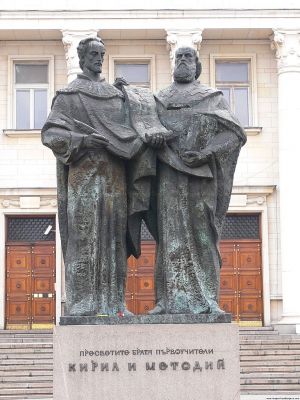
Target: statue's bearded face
94,56
185,65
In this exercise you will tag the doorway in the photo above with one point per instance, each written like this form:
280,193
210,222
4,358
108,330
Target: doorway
30,272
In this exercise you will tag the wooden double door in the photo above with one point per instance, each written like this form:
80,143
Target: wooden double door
240,281
30,278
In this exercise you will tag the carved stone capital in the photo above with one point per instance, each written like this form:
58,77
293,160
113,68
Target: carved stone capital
180,38
70,41
286,44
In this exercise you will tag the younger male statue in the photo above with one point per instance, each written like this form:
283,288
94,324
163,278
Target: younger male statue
193,191
92,134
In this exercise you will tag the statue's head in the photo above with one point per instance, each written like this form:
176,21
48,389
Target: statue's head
187,65
91,54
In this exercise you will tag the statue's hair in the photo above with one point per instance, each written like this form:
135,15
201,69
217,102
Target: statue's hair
198,63
82,46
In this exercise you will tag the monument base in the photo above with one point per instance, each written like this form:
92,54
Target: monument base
189,361
148,319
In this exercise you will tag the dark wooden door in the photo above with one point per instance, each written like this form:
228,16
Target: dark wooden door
241,280
140,296
30,278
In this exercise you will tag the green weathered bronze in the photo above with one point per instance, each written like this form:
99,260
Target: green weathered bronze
93,134
124,155
192,204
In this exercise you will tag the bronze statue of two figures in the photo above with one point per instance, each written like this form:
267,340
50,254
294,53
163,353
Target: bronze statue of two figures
125,155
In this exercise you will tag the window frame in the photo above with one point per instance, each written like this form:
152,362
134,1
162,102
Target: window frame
252,96
133,59
12,87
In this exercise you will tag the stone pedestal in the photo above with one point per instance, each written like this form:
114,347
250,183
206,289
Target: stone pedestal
168,361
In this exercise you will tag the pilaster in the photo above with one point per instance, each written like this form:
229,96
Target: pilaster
71,39
181,37
286,44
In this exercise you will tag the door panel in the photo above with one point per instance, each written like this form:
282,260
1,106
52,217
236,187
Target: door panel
240,280
30,278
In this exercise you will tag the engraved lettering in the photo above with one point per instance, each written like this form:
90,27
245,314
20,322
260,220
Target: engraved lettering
72,367
221,363
186,366
94,366
163,366
197,367
150,367
115,367
208,365
174,365
83,367
131,366
104,367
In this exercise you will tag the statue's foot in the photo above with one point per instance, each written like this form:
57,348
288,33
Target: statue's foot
126,313
157,310
216,310
82,309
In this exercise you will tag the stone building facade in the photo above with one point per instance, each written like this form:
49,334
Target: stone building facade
252,54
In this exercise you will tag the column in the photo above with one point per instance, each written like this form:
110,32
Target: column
286,43
182,37
70,40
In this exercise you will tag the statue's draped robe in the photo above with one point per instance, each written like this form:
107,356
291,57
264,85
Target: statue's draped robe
192,204
91,186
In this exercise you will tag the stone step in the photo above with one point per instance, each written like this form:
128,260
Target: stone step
271,381
25,345
17,362
26,340
265,388
25,396
270,369
27,379
267,346
270,352
22,392
27,385
29,367
25,373
29,356
29,350
269,374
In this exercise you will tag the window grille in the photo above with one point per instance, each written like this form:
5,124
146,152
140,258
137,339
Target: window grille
241,227
145,234
30,229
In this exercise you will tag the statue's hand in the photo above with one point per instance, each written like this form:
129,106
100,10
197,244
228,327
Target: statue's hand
155,140
95,141
195,159
120,82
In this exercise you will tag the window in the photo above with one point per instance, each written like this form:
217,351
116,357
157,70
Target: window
30,91
31,83
235,76
135,74
136,70
233,79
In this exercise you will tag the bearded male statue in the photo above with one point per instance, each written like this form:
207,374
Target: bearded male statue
194,181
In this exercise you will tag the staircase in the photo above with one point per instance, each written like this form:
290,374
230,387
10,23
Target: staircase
270,362
26,365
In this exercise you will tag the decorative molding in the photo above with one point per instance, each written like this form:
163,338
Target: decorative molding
182,37
253,130
71,39
286,44
21,133
28,202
